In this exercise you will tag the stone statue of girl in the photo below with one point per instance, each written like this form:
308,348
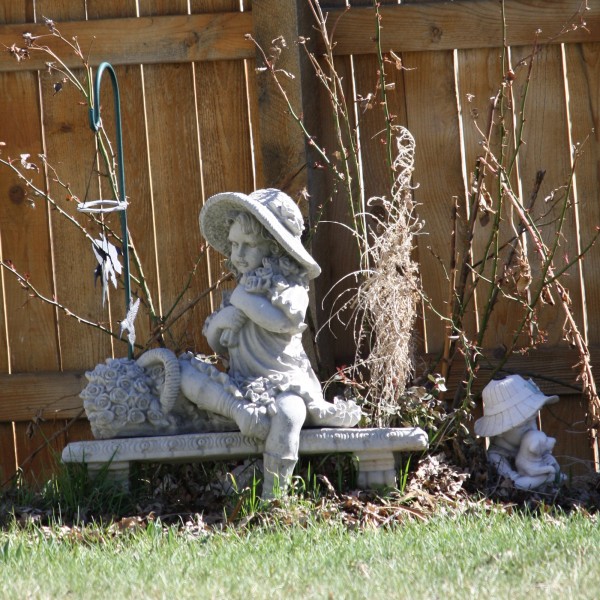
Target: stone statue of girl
259,327
270,390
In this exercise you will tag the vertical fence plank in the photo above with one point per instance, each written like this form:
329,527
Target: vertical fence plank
334,246
71,150
583,77
177,183
282,143
583,84
254,108
32,326
225,139
480,78
438,173
547,148
25,234
371,119
13,12
376,174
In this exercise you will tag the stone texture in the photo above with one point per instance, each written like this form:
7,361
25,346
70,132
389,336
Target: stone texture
374,450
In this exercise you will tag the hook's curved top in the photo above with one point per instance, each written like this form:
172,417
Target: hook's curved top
96,121
95,109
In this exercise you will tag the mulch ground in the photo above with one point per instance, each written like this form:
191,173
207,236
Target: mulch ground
199,501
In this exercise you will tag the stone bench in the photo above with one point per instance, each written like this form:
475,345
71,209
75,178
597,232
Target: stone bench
375,450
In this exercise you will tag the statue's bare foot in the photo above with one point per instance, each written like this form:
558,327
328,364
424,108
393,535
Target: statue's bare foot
253,420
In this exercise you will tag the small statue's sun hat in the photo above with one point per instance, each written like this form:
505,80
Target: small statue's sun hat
508,403
274,209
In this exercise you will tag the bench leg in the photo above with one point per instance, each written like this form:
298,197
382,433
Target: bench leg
376,468
117,473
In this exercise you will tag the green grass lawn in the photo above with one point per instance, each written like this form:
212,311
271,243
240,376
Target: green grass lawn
495,555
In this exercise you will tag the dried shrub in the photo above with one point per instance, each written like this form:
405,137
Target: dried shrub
388,296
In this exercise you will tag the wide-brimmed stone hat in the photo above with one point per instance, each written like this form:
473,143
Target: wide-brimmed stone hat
274,209
508,403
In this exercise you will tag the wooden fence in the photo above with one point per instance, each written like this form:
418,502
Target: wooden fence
198,119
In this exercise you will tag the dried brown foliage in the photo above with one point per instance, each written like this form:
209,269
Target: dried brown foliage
388,295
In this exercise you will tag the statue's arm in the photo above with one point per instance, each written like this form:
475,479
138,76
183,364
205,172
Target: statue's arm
259,309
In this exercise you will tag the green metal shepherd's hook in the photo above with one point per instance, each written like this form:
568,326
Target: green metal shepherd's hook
104,206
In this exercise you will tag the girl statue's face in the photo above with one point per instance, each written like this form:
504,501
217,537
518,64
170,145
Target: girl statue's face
247,249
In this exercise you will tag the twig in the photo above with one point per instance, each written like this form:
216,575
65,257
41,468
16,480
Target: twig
26,284
158,331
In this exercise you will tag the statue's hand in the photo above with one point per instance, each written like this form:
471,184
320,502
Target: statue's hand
229,335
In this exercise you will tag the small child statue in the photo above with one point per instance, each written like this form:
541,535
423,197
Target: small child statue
517,448
272,390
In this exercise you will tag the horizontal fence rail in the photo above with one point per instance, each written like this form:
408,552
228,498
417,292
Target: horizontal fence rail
138,40
436,26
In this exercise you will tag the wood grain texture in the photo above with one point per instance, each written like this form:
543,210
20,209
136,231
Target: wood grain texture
177,186
70,148
547,148
145,40
225,143
480,78
439,26
282,144
48,395
371,121
334,245
38,450
78,431
583,80
24,233
141,222
433,120
8,461
25,230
